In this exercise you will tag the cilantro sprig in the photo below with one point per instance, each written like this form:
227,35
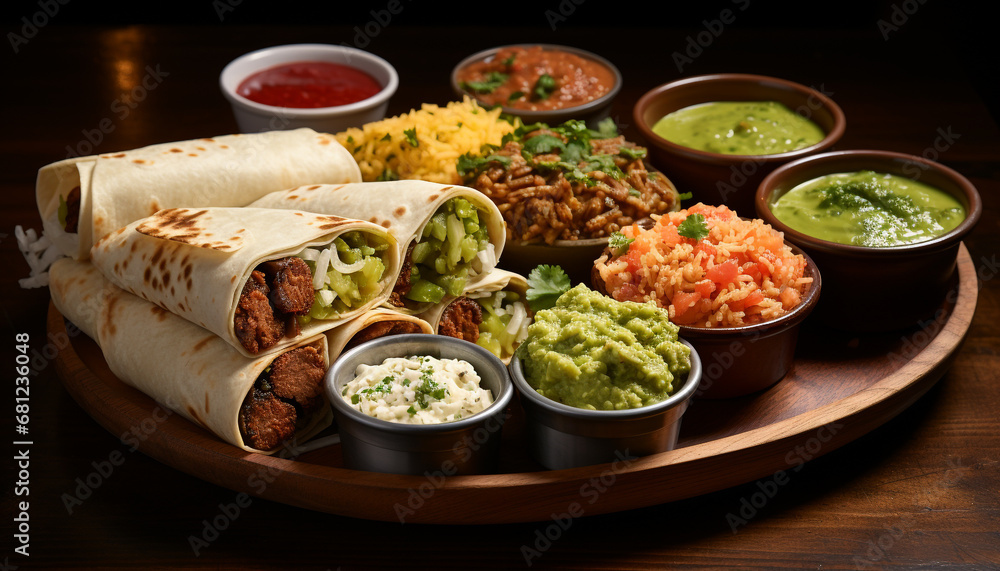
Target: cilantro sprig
387,174
570,140
383,386
545,284
411,137
469,166
494,80
544,87
693,227
619,243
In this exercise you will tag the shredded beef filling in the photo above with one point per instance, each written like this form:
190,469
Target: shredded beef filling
73,210
291,285
265,420
461,319
276,292
256,325
298,376
290,390
382,329
403,284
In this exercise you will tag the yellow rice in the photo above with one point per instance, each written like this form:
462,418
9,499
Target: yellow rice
443,134
659,265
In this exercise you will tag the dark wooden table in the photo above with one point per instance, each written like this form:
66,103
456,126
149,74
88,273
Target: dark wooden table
920,491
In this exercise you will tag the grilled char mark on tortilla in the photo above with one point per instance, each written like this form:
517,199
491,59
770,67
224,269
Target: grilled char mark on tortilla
403,284
283,396
382,329
276,292
73,210
461,319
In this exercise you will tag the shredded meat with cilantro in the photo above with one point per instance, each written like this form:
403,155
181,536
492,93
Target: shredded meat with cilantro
545,195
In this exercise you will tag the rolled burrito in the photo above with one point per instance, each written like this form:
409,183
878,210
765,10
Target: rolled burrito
82,199
373,324
260,279
449,236
493,313
255,404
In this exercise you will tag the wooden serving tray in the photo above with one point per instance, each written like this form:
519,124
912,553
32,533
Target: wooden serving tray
841,387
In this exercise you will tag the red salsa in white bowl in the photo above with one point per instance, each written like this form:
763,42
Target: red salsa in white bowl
309,84
324,87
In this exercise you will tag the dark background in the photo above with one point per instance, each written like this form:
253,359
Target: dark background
837,506
934,32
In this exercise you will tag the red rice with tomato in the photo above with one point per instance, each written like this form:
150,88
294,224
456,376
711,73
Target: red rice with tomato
741,273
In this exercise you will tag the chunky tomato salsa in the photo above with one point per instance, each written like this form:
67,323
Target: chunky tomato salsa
536,79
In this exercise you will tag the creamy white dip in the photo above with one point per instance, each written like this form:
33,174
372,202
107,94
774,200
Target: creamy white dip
417,390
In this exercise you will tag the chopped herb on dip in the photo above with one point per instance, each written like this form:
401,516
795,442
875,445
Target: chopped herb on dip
417,390
536,79
870,209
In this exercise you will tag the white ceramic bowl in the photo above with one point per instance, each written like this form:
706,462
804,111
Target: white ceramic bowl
253,117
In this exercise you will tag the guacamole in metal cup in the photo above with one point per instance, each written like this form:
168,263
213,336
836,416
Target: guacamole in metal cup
593,352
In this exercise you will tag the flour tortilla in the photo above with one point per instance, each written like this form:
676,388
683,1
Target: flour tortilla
497,280
194,262
230,170
404,207
180,365
340,336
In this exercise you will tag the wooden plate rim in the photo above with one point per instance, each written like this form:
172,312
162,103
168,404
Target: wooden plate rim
528,496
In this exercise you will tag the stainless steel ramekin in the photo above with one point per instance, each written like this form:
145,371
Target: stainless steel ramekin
562,436
466,446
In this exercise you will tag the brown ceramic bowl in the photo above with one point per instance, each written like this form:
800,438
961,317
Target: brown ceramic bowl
576,257
590,112
876,289
715,178
738,361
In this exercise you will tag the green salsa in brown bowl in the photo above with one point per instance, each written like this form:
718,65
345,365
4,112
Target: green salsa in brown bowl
739,128
715,177
872,283
871,209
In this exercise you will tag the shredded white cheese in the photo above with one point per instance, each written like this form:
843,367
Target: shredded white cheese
39,252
